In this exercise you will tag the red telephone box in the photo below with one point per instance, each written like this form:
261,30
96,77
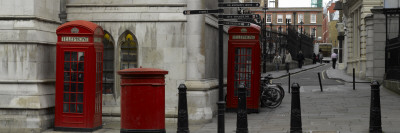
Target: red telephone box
244,66
79,76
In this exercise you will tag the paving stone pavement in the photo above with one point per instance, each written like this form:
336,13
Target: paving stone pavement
337,109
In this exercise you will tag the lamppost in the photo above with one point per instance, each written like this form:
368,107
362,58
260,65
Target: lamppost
313,34
301,33
270,43
280,36
264,39
294,21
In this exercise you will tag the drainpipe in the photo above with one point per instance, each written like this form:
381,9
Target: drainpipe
63,11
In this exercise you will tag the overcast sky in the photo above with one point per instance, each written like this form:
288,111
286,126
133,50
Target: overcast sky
299,3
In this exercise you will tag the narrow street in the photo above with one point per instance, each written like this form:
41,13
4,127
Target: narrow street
337,108
310,77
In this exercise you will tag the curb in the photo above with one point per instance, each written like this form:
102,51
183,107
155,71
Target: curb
285,75
347,81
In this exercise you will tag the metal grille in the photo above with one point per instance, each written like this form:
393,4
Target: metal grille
392,49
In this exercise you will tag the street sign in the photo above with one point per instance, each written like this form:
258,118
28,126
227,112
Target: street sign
190,12
238,4
234,23
242,16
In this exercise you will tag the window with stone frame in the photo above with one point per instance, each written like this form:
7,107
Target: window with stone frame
129,52
279,18
269,18
108,64
271,4
300,18
289,18
313,18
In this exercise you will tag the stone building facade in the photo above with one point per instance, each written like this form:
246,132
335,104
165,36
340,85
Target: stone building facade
150,34
27,70
360,54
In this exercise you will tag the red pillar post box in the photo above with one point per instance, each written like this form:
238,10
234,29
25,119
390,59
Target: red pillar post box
78,77
244,66
142,100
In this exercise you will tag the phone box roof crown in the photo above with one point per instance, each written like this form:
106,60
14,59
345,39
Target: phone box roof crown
245,30
80,27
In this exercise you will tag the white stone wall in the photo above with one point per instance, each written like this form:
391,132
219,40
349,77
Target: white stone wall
357,52
376,47
27,64
164,42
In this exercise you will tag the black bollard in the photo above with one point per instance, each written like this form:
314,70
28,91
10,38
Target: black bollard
241,123
375,124
354,79
289,84
295,115
320,84
221,116
183,124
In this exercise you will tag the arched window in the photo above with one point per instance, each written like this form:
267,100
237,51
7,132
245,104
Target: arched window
108,64
128,51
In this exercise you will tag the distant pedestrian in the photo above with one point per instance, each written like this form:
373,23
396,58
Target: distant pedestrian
277,61
288,59
314,58
334,58
320,57
300,59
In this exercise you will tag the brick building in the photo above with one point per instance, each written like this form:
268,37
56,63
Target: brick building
277,17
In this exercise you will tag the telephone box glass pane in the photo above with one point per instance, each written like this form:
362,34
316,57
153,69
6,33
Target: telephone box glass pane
80,87
79,108
66,87
72,108
81,56
73,97
80,97
74,77
67,66
66,97
74,66
74,56
73,87
80,77
80,66
66,76
65,107
67,56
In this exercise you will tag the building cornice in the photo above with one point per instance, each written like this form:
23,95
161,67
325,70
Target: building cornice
129,5
28,81
30,18
27,42
289,9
